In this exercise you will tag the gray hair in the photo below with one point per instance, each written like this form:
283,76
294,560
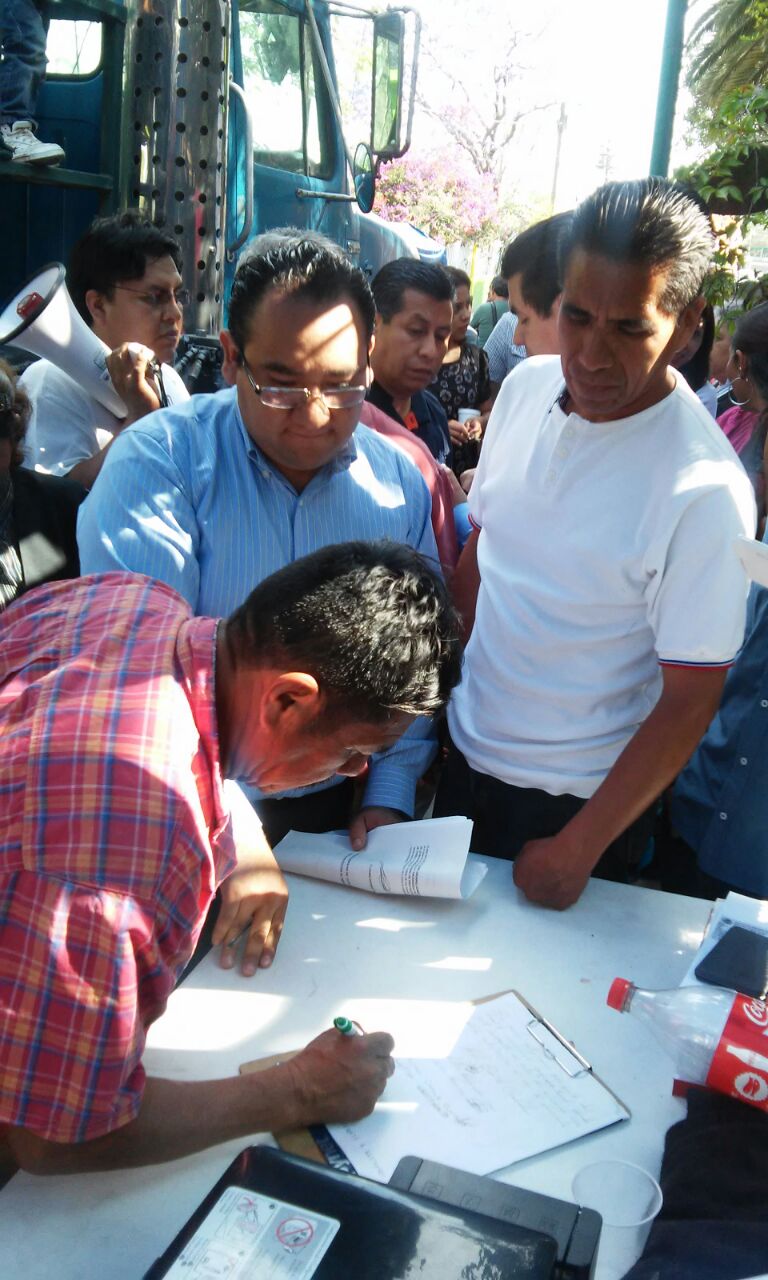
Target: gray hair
269,240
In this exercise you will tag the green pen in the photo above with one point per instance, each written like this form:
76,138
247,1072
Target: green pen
347,1027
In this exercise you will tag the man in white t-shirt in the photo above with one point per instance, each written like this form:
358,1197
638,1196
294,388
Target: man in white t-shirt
606,597
123,277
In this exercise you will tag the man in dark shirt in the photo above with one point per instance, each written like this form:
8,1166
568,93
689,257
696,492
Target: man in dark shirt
487,315
414,310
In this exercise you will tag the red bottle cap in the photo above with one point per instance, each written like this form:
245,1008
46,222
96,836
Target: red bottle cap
618,993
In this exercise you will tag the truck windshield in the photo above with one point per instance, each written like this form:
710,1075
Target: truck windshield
280,82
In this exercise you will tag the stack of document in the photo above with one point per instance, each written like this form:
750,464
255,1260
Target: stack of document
426,859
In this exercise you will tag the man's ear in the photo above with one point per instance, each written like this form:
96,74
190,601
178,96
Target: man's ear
292,700
95,302
231,362
687,323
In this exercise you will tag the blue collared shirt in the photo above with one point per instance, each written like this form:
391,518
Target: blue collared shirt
720,800
186,496
501,349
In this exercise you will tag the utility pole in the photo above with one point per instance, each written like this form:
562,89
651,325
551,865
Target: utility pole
669,79
605,162
561,123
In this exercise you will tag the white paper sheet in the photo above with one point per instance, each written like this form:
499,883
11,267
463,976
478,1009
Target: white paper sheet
499,1097
427,859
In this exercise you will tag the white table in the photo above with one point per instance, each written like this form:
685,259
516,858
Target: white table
345,951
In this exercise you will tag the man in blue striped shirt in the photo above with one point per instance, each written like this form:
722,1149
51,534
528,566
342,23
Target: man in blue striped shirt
214,495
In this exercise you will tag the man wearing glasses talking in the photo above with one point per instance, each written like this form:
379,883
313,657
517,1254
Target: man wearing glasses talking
123,277
214,495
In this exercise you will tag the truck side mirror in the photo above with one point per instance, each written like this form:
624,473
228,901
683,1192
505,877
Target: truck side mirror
390,124
363,177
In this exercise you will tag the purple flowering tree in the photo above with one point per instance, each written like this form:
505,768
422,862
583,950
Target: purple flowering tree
440,196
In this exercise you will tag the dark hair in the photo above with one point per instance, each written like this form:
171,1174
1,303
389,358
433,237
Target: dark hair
14,412
534,255
500,287
268,240
391,282
460,278
115,249
751,337
696,370
371,621
304,269
652,223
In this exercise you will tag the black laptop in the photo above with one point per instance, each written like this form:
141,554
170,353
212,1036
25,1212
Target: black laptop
273,1215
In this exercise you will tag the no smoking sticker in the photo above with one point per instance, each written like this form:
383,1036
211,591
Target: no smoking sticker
295,1233
247,1234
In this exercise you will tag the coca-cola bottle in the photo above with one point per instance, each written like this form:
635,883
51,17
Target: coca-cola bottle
717,1038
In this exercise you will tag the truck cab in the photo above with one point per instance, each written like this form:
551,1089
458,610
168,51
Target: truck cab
219,120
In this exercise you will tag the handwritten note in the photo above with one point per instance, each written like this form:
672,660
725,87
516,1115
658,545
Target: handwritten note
425,859
499,1097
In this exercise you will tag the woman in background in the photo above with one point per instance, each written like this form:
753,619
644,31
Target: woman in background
746,421
463,381
693,361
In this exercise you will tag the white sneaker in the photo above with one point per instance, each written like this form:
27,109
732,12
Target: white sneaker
19,139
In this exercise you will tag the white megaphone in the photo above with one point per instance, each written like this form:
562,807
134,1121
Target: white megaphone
43,319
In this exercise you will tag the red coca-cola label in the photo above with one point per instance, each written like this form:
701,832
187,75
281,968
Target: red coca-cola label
739,1066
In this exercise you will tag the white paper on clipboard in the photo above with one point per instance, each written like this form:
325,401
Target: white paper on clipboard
512,1087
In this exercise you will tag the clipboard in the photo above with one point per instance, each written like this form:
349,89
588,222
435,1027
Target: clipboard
321,1146
555,1045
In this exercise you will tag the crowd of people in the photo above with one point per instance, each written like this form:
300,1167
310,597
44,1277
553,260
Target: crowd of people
249,607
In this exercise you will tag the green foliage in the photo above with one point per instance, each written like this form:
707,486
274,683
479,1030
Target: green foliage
736,132
728,49
759,12
732,173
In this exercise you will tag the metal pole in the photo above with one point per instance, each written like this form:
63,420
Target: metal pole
671,59
561,123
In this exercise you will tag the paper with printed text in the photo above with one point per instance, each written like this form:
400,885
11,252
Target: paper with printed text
423,859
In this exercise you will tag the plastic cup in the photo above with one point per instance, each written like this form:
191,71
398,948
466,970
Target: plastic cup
466,414
628,1199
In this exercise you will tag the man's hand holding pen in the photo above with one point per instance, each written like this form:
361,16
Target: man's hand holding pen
338,1078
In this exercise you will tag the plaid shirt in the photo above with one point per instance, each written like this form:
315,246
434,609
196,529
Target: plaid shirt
115,833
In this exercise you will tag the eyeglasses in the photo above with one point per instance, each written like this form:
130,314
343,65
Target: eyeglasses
295,397
157,299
